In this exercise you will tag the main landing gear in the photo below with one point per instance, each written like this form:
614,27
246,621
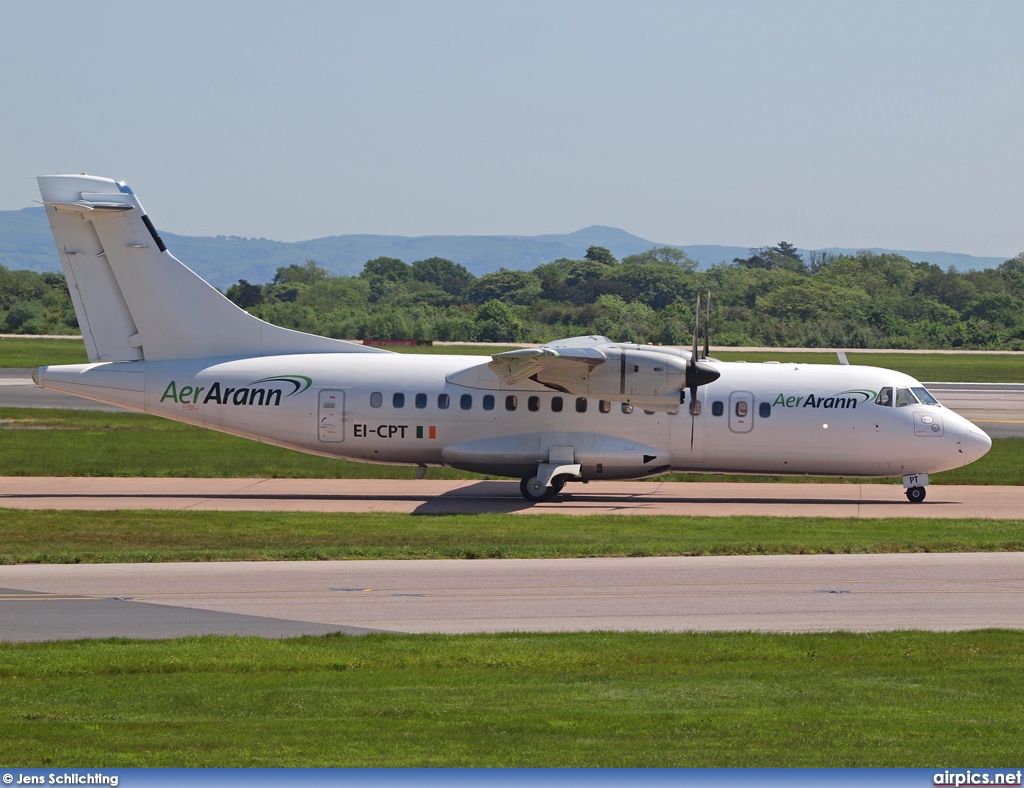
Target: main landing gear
535,491
551,476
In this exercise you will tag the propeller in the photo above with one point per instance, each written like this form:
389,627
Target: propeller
699,374
707,327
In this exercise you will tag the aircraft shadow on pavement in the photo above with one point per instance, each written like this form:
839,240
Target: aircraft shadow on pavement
499,497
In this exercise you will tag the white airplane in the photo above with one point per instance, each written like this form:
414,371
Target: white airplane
163,341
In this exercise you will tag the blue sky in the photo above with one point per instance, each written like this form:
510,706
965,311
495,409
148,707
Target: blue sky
854,124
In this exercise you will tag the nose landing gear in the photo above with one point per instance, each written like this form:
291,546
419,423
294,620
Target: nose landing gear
915,484
915,494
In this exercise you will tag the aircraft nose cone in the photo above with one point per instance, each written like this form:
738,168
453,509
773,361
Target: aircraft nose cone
976,443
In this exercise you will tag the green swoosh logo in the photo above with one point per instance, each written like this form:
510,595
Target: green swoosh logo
295,380
867,394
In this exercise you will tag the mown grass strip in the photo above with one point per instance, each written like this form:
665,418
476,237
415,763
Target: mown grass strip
943,367
155,536
593,699
27,353
40,442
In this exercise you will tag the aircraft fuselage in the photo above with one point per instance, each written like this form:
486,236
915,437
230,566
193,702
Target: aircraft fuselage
453,411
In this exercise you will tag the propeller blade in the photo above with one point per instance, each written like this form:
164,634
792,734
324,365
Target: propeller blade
707,328
693,414
696,329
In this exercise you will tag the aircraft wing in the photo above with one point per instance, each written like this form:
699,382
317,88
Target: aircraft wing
594,366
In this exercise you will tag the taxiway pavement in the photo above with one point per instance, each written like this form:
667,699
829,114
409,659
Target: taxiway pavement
940,592
426,496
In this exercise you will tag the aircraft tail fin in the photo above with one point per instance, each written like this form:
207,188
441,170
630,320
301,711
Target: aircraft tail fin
135,300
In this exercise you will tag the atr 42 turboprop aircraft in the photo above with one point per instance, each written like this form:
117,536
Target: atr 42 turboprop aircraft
163,341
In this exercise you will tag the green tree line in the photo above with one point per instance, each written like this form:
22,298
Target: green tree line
34,303
774,297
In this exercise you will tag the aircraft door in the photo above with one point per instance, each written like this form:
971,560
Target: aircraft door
331,415
741,411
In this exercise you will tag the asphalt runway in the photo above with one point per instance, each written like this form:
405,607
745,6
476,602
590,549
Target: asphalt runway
998,408
939,592
18,391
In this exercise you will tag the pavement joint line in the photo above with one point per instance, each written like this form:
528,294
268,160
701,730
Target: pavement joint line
538,590
617,594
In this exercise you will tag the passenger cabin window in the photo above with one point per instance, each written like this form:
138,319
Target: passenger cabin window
488,402
421,401
884,397
924,395
556,404
533,404
443,401
398,400
627,408
511,403
741,408
717,408
466,401
581,404
376,399
604,406
905,397
764,410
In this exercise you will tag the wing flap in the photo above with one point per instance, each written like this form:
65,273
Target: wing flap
517,365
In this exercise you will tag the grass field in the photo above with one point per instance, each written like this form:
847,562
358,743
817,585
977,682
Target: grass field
28,353
155,536
39,442
944,367
594,699
962,367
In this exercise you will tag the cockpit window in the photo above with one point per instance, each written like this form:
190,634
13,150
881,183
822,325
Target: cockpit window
905,397
884,397
924,395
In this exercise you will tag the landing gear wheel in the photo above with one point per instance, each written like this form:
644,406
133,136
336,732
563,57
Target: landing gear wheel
535,492
915,494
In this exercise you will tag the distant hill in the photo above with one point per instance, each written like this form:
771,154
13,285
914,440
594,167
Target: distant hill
25,242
